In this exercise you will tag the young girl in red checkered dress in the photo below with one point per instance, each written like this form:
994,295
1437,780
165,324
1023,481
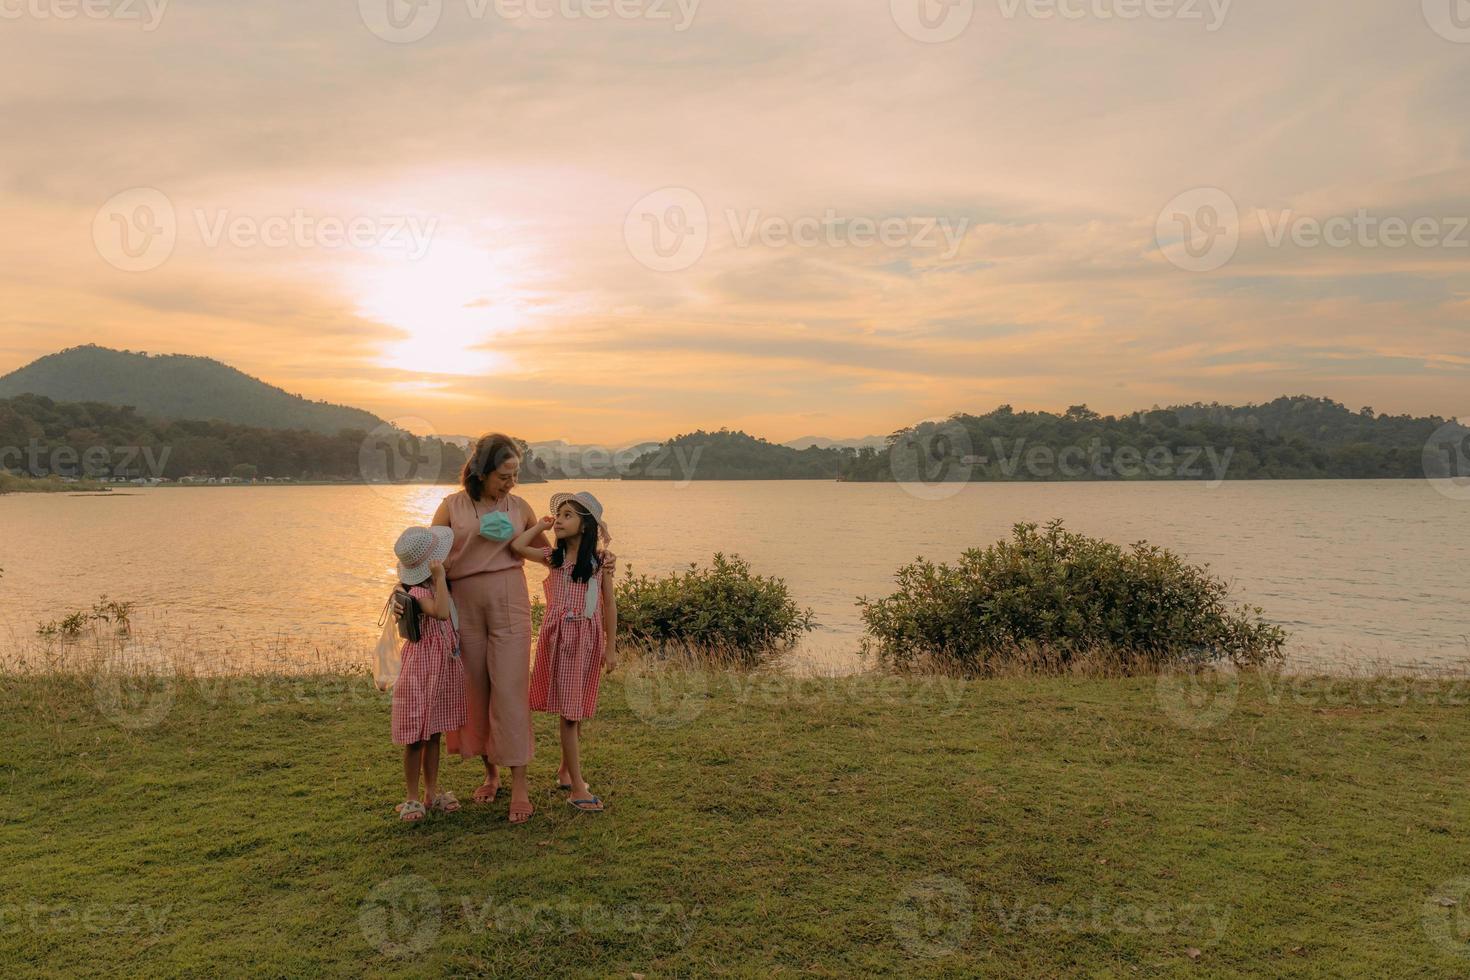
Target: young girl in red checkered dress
428,695
578,635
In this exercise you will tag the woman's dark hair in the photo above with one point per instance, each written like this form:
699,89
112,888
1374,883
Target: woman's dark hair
586,549
491,451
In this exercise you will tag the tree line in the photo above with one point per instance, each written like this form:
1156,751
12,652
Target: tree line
43,437
1297,437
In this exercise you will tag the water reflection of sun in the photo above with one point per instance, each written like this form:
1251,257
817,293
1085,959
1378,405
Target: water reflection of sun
451,303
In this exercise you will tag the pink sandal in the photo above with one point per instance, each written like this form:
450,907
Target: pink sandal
522,811
486,792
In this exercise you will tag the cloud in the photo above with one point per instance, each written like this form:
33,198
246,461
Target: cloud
1055,142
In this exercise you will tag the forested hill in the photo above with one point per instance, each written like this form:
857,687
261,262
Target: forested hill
1298,437
1289,438
726,455
177,386
42,437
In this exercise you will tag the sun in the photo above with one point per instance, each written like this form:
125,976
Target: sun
451,303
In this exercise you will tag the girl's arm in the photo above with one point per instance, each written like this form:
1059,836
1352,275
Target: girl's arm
609,620
437,605
541,540
531,542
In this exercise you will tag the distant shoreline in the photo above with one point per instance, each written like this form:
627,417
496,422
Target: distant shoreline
19,486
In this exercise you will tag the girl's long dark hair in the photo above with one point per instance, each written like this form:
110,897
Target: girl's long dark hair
587,561
489,452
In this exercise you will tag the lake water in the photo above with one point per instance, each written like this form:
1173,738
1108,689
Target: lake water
1359,572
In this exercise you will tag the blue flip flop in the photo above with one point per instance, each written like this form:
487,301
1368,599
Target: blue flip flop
590,805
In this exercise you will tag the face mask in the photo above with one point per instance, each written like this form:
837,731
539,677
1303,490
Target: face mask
496,526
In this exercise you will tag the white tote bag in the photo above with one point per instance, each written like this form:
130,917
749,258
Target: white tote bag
388,658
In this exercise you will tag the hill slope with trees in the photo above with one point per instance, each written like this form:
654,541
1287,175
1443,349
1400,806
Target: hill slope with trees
177,386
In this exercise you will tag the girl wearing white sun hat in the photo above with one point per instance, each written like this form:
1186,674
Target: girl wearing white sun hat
428,695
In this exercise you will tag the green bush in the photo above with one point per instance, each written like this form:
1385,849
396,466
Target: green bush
723,611
1051,599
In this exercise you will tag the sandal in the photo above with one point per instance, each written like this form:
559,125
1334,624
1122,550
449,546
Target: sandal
486,792
410,811
522,811
590,805
445,802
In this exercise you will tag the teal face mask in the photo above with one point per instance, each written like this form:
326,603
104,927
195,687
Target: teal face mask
497,526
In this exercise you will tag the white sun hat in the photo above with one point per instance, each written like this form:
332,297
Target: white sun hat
588,503
418,546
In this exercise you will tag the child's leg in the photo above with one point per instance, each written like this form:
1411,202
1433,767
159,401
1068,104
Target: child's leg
431,768
413,761
571,759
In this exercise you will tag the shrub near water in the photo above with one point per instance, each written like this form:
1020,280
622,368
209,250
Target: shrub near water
724,610
1049,598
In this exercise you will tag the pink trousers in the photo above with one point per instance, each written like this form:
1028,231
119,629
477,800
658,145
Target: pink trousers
495,642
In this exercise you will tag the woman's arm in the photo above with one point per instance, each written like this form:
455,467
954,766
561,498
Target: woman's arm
441,516
530,544
541,540
609,620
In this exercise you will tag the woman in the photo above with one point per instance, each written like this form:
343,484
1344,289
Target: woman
488,582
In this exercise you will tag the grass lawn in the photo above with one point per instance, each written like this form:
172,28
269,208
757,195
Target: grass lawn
10,483
1014,827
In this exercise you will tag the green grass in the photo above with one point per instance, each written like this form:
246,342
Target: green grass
1012,827
10,483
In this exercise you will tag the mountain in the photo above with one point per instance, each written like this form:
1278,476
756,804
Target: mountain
177,386
726,455
570,461
822,442
96,440
1289,438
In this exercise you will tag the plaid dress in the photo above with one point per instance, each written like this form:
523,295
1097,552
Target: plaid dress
429,696
569,648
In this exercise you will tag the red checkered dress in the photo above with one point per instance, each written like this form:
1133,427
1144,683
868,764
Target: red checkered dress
428,697
569,648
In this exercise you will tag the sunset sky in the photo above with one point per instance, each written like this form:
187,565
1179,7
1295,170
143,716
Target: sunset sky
517,184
